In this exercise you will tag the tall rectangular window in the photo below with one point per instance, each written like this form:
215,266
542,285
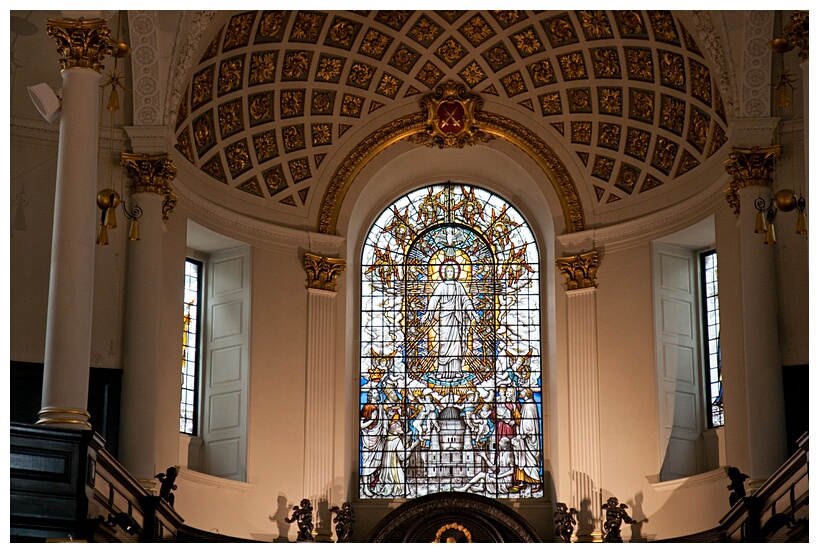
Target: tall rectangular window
188,409
713,356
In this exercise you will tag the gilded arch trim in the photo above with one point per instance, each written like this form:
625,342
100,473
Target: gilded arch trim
490,123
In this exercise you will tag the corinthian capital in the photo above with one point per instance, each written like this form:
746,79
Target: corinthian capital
322,272
580,270
83,43
796,32
749,167
152,173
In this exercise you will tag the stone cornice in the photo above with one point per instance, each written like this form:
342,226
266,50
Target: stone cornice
250,230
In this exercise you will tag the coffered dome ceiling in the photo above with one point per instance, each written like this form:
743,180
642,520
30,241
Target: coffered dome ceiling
629,93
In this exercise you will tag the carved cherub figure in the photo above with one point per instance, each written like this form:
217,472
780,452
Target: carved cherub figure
303,516
344,521
167,481
616,515
737,485
564,522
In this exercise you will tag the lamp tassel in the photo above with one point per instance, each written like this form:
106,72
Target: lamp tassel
801,224
133,230
770,235
102,237
759,228
113,100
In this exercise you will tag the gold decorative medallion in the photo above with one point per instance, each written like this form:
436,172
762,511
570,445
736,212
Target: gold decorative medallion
450,118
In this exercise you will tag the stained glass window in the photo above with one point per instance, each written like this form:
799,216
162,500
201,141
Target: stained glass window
190,347
450,382
713,353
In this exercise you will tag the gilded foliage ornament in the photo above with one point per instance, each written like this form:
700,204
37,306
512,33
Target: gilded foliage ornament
230,74
450,52
329,68
375,44
265,146
550,103
238,31
639,64
542,72
526,42
665,152
307,27
429,74
299,169
322,272
296,65
477,30
351,105
580,270
610,100
472,74
83,43
637,143
572,66
595,24
263,67
581,132
388,85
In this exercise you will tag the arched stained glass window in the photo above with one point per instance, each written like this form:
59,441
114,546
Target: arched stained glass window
450,384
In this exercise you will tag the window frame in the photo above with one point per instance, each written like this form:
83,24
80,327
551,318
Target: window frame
714,414
197,360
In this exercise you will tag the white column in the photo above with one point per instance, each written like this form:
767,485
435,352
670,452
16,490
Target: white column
760,331
71,281
584,405
150,399
750,169
319,406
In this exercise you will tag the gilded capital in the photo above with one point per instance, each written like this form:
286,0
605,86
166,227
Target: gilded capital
82,43
749,167
796,32
580,270
322,272
152,173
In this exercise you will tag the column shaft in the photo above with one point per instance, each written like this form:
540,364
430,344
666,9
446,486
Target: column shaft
584,406
319,412
71,282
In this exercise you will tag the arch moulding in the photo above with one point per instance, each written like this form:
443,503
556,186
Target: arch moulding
418,123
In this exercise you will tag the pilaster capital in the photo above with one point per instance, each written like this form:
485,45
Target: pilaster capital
83,43
322,271
796,32
749,167
580,270
152,173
